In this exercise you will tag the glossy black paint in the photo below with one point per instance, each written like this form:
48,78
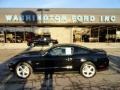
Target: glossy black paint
45,60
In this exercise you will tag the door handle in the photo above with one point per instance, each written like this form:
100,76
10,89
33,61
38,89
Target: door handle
69,59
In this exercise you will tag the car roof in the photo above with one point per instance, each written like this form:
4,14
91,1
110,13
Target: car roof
69,45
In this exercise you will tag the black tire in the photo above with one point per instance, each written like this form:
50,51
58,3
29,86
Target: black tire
91,69
26,65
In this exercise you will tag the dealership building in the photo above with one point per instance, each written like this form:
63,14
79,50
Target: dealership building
67,25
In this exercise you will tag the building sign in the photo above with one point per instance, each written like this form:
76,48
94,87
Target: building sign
61,18
32,18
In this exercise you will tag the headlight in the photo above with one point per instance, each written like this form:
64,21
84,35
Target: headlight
12,62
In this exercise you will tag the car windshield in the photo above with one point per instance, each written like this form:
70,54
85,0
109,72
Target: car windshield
43,52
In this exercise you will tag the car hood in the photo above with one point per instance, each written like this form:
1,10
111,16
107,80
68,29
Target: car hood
30,54
26,56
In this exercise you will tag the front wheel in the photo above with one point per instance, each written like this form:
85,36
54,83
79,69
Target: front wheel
88,69
23,70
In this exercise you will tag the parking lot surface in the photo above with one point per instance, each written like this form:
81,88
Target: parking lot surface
104,80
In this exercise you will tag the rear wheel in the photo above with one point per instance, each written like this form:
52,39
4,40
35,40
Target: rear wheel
23,70
88,69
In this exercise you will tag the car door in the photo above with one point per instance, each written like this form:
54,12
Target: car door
59,58
80,55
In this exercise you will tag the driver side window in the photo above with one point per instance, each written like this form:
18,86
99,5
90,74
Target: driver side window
61,51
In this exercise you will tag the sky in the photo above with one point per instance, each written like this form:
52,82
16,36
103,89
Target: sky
59,3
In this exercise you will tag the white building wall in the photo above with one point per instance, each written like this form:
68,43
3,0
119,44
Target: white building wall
62,34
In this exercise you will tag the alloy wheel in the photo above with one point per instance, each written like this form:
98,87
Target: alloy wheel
88,70
23,71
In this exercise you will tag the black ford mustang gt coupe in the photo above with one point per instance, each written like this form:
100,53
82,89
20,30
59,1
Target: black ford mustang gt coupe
61,57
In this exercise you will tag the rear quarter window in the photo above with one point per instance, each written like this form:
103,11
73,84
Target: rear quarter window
78,50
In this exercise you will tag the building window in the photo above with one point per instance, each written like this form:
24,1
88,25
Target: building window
2,37
111,35
94,34
18,34
97,34
118,34
102,32
10,37
81,34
